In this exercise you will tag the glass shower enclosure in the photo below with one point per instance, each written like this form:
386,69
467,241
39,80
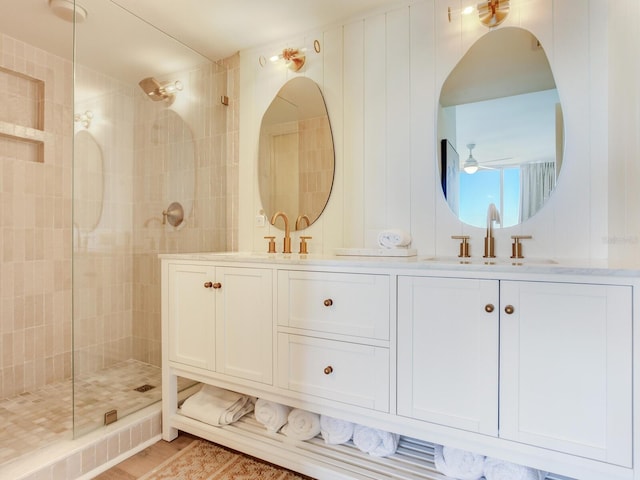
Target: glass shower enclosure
149,177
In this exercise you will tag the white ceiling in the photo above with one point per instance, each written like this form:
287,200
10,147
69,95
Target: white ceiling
115,42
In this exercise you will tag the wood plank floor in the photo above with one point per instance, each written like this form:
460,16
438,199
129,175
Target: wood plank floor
146,460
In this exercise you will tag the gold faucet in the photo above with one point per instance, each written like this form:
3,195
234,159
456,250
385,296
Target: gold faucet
300,219
489,243
287,233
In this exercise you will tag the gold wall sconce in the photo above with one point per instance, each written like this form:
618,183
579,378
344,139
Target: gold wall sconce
293,58
84,119
491,13
157,91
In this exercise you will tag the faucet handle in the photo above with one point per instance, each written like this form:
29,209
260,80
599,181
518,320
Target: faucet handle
464,245
516,246
303,244
272,244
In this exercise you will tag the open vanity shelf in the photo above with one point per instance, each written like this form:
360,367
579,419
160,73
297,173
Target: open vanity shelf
492,359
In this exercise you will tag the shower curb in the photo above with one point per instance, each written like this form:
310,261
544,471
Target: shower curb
93,453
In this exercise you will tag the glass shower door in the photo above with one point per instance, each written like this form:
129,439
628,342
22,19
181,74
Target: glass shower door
150,133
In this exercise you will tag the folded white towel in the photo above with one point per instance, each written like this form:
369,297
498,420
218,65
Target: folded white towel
216,406
459,464
377,443
495,469
302,425
394,239
271,414
335,431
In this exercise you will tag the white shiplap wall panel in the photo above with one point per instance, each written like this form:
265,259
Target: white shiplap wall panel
398,115
537,17
598,116
386,152
422,122
375,124
571,201
353,155
333,91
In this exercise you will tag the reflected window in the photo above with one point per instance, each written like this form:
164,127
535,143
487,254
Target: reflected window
500,186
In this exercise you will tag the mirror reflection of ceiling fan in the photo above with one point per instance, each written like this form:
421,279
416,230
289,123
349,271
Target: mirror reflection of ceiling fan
471,165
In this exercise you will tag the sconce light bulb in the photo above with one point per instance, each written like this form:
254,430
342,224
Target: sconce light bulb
84,119
467,10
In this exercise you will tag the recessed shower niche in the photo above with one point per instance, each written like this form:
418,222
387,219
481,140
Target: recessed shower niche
21,116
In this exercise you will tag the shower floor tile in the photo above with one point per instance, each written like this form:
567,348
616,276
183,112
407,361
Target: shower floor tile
37,419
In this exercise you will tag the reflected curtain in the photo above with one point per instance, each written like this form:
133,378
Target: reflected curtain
536,183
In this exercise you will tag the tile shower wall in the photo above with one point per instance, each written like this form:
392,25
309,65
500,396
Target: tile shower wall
36,231
184,154
102,267
115,263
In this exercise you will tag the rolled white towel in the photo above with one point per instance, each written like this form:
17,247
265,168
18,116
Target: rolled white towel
459,464
376,443
394,238
216,406
335,431
302,425
495,469
271,414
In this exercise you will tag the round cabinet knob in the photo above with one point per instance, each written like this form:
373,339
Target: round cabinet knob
328,370
208,284
217,285
489,308
328,302
509,309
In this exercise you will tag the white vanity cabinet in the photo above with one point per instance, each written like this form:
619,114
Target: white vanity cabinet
563,373
533,365
566,368
448,352
221,319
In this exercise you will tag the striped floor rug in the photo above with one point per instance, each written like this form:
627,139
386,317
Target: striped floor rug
203,460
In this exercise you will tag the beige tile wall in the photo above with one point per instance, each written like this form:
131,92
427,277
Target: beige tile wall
194,134
35,224
102,267
116,302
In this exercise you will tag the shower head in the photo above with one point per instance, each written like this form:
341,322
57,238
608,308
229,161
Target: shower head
159,91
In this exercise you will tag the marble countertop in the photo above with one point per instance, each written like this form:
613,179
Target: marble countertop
474,264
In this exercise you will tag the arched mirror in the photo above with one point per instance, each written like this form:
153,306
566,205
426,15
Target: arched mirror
295,157
500,127
88,181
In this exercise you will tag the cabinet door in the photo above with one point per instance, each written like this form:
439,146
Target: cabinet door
448,352
244,323
191,315
565,372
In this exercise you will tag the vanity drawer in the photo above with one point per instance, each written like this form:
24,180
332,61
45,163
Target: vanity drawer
342,303
342,371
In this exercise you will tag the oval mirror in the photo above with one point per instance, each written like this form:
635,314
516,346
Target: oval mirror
295,156
88,181
500,127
